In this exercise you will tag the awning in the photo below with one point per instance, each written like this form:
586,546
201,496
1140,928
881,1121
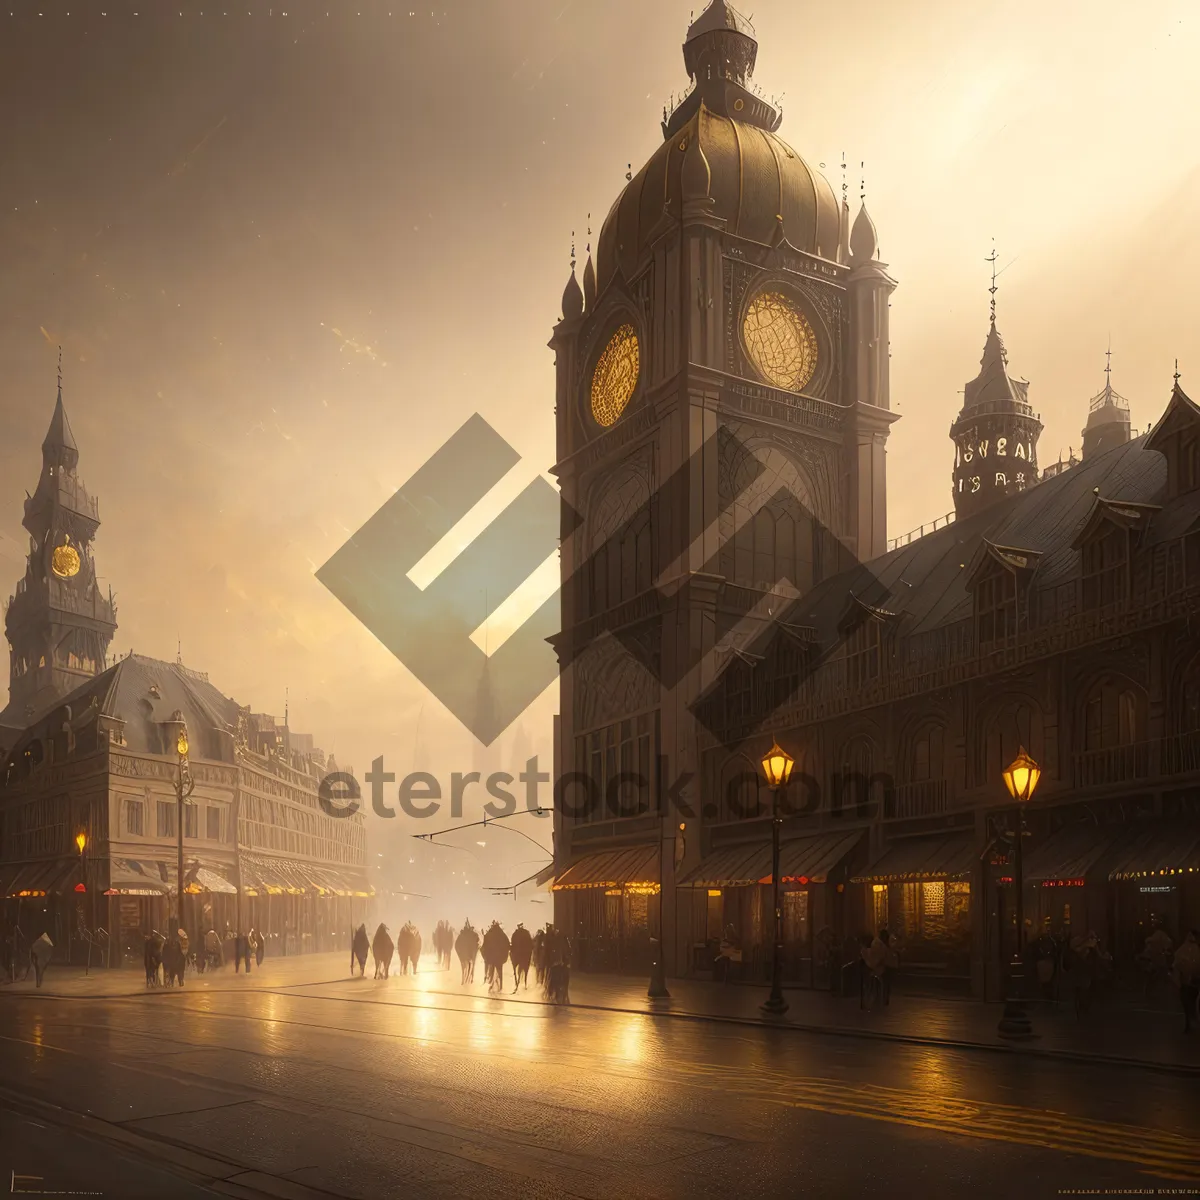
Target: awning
810,859
801,860
1068,855
43,878
913,859
734,866
263,876
138,877
212,881
1166,848
637,866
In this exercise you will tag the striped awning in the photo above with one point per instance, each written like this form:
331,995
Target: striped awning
263,876
950,857
1165,848
801,860
1068,855
811,859
637,866
32,879
140,877
733,866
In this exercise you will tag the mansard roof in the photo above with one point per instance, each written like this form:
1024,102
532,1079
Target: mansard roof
927,582
144,693
1182,413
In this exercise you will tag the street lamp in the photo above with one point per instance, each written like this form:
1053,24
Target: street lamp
1021,778
777,766
184,786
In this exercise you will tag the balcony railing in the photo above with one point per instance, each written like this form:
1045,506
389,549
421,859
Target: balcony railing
924,798
1180,753
1115,764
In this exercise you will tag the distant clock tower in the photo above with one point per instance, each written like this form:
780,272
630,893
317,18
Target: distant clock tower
58,625
995,436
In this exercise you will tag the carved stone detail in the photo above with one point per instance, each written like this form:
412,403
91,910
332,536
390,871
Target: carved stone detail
610,684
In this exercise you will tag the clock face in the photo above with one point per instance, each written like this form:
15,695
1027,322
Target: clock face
616,376
780,341
64,562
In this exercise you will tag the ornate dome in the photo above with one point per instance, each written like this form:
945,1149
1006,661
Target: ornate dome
759,185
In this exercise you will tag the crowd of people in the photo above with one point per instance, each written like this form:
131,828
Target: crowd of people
548,952
168,957
1080,967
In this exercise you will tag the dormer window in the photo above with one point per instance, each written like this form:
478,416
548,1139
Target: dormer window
1000,577
996,607
1177,438
1105,569
863,653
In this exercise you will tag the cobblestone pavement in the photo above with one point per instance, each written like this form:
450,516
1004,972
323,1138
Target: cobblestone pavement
300,1082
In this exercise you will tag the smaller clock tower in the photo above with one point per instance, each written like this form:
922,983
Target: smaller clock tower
995,436
59,626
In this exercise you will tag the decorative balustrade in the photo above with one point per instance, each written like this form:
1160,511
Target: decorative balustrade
1115,764
924,798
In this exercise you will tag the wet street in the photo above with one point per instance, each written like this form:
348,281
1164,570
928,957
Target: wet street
361,1088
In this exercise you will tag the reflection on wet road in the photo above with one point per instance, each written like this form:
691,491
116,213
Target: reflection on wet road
355,1087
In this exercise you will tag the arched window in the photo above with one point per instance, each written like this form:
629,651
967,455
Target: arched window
1188,717
764,547
926,762
1009,729
1114,714
857,784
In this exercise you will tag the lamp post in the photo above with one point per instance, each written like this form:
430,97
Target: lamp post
1021,778
184,786
658,967
81,846
777,768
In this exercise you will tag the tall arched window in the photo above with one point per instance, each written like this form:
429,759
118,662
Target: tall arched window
1114,714
1006,731
926,761
1188,715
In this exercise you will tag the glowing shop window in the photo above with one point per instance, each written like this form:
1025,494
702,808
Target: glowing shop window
933,898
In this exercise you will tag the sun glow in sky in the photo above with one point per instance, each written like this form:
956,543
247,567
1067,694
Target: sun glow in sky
287,260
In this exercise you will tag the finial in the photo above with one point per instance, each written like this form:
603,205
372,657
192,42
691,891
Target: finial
589,245
991,258
845,184
179,652
1108,366
60,371
1177,372
863,185
572,250
629,172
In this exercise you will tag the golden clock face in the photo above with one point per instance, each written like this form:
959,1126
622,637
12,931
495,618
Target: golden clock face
780,341
65,561
616,375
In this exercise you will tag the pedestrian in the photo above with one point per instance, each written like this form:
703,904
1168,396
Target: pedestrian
260,948
1187,977
41,953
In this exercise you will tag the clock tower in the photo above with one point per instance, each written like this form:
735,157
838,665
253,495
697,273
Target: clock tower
995,436
722,412
58,624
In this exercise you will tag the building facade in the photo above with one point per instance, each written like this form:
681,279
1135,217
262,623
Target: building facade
722,415
90,810
732,335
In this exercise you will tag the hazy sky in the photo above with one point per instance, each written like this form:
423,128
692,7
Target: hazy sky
287,256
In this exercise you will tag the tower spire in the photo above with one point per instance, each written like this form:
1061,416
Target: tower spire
991,258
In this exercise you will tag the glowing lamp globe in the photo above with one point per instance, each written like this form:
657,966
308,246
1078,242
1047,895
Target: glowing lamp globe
81,841
777,766
181,743
1021,777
